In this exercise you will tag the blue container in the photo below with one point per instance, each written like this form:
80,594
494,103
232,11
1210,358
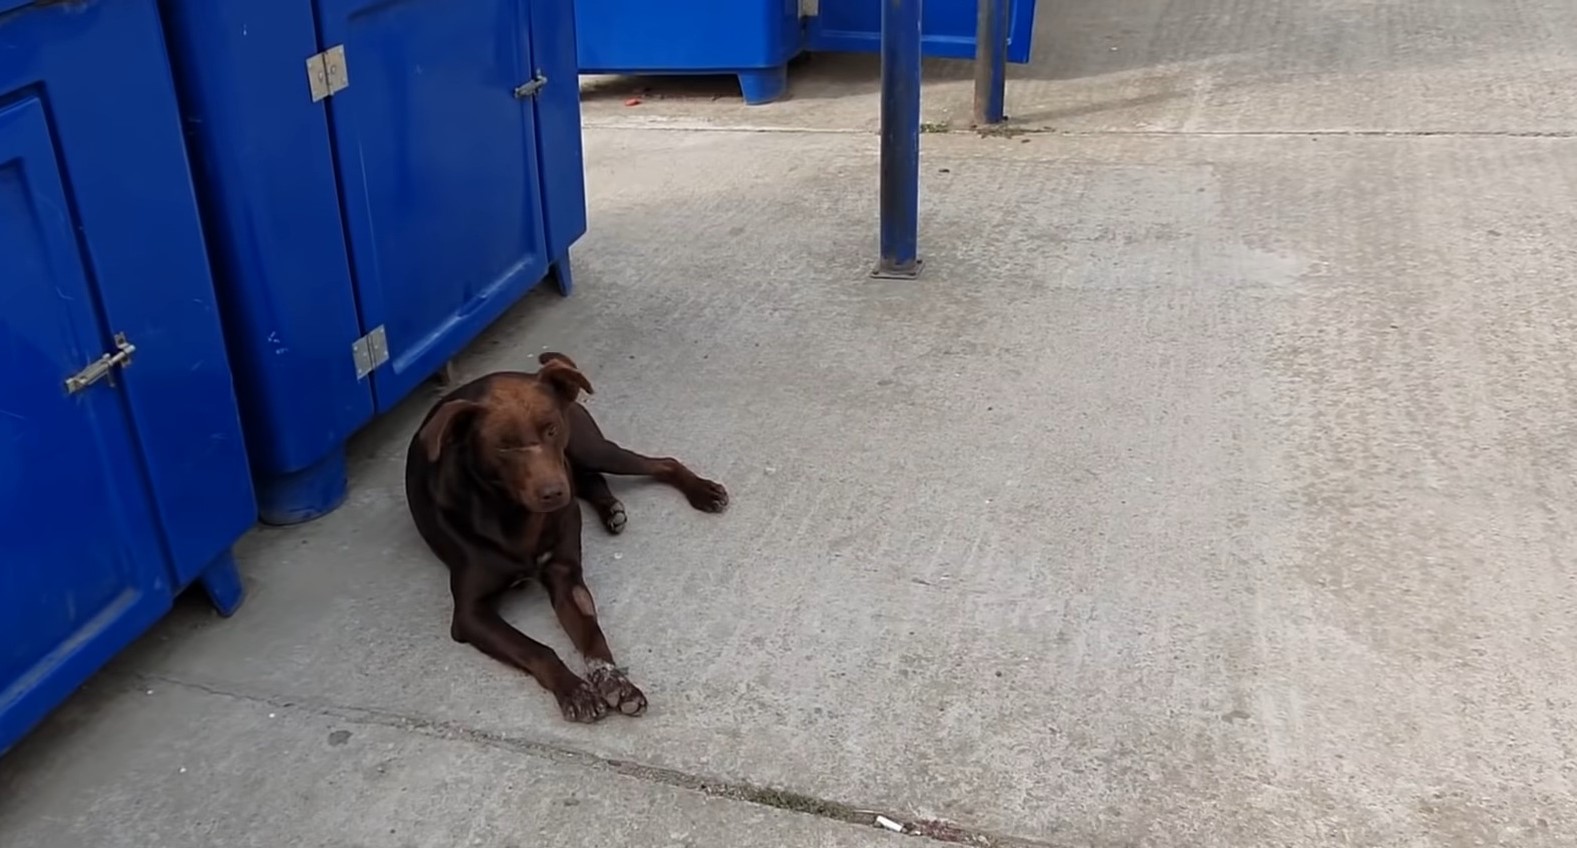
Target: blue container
123,473
947,28
755,39
751,39
370,210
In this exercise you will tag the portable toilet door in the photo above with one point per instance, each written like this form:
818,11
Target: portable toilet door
436,142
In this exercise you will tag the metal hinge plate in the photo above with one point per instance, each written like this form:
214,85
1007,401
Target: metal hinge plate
530,87
102,367
370,352
327,73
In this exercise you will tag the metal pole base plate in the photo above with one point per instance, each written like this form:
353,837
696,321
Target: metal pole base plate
883,271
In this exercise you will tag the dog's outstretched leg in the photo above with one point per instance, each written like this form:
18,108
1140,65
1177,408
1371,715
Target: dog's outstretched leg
590,450
578,613
477,622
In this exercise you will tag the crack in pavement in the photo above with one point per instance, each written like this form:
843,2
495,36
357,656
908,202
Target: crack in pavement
933,830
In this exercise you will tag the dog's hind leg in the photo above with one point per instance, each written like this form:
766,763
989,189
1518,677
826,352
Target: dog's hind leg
590,450
593,488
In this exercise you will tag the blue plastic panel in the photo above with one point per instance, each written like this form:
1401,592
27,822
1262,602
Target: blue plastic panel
81,573
438,169
113,497
689,36
130,186
265,174
948,27
562,168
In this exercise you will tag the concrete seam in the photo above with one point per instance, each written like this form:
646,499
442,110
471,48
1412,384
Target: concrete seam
1046,131
937,831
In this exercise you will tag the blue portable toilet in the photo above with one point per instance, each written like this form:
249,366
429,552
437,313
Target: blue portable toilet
123,472
755,39
379,181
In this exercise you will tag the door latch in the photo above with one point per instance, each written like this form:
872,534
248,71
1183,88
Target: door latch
103,366
530,87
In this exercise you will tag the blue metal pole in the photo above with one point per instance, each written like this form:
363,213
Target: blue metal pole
900,168
991,65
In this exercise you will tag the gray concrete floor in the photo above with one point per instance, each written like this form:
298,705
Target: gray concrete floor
1213,487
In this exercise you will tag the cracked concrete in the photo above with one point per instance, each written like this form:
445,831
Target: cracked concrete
1210,489
352,782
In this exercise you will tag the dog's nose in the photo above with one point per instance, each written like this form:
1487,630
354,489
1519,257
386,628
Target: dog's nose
553,493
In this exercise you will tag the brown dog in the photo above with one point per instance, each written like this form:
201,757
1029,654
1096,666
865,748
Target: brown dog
491,479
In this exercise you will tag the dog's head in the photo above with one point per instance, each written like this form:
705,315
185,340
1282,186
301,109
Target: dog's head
514,436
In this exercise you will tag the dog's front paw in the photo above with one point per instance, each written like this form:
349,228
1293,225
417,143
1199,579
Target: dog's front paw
582,703
707,496
617,690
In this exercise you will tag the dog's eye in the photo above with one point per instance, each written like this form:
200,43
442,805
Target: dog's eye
550,431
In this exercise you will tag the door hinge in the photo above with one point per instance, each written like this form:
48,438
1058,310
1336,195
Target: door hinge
327,74
370,352
102,367
530,87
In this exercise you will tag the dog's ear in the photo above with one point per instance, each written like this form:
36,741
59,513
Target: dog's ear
448,419
554,355
560,373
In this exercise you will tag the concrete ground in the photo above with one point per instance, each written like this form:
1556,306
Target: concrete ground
1214,486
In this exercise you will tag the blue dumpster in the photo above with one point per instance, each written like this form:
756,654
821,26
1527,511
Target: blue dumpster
755,39
123,472
751,39
379,182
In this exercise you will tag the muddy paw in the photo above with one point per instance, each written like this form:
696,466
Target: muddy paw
707,496
582,703
613,518
617,690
